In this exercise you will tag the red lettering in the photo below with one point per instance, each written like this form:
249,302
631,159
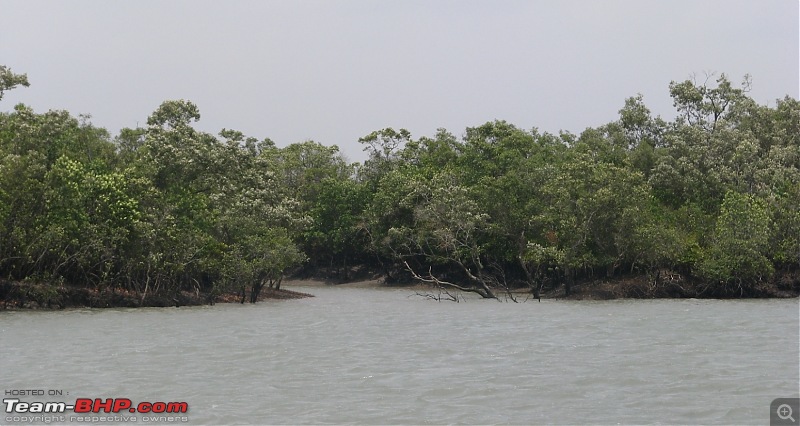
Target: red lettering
105,406
121,404
86,405
177,407
83,405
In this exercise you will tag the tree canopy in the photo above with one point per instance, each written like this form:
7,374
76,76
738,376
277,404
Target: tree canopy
712,197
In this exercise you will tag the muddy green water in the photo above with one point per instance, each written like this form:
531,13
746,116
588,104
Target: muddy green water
368,356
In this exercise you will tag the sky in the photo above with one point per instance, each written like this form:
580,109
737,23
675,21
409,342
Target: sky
333,71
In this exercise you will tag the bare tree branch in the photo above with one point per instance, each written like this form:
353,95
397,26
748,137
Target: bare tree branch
483,291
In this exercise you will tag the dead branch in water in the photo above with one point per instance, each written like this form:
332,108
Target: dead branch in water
483,291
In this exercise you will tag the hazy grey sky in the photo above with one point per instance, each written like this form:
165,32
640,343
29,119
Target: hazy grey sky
333,71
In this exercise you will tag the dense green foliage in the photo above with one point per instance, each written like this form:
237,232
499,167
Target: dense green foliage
713,195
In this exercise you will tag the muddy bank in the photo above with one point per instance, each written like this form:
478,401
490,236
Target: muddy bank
670,285
676,287
356,283
17,295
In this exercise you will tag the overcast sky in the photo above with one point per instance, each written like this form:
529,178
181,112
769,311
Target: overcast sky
335,70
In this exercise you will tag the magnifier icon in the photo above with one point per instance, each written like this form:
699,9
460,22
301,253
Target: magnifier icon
785,412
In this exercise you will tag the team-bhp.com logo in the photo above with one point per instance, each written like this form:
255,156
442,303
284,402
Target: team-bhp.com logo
88,409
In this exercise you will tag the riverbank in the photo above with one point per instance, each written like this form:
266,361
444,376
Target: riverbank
25,295
668,285
676,286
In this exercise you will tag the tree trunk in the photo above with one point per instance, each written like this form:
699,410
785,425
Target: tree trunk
537,290
255,291
487,293
534,282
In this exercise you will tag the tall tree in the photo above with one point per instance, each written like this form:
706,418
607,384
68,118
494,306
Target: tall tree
10,80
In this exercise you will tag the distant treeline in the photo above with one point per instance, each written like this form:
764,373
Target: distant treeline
713,196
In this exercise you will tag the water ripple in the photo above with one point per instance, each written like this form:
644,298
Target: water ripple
380,357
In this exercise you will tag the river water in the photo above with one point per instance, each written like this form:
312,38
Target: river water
386,356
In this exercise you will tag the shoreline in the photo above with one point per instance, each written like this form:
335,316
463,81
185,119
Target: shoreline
625,287
41,296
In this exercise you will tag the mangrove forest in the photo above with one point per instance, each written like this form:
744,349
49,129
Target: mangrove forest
703,205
